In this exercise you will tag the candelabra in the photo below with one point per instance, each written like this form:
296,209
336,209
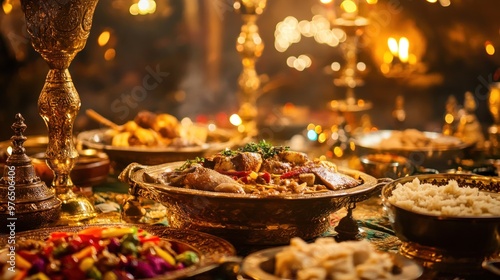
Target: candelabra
58,31
250,46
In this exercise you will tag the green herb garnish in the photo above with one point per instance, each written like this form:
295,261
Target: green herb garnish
264,148
190,162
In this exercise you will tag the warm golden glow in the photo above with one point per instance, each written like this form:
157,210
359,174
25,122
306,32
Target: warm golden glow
9,150
388,57
349,6
372,2
412,59
322,138
490,49
109,54
361,66
448,118
403,46
334,103
310,126
445,3
325,1
432,1
393,46
103,39
318,129
335,66
7,7
235,120
384,68
143,7
352,146
337,151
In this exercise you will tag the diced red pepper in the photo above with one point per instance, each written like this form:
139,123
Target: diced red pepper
294,172
266,176
47,250
149,238
91,231
58,234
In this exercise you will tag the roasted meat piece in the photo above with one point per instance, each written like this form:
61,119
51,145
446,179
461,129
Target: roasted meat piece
243,161
201,178
334,180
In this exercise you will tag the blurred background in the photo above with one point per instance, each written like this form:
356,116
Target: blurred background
414,57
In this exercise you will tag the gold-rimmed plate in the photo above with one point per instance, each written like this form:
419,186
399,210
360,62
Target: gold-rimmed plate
260,265
212,250
121,157
442,152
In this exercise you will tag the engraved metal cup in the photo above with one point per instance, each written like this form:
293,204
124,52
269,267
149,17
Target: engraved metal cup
59,30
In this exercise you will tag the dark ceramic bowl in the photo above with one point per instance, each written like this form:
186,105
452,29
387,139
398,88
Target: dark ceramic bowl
245,218
441,241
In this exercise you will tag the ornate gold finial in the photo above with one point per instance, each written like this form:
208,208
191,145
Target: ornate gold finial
18,155
25,201
250,46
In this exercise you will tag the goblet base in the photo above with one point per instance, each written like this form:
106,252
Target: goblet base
75,207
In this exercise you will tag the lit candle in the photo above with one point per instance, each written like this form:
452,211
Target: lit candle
404,46
393,46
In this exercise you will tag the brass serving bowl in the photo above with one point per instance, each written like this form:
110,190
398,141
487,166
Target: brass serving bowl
386,165
121,157
438,157
446,243
246,219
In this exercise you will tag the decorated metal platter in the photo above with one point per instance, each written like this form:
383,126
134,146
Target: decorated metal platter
204,251
258,212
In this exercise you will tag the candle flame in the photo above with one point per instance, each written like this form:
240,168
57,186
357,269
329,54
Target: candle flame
404,46
393,46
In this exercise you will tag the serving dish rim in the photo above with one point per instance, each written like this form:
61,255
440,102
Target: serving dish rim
85,138
254,260
357,139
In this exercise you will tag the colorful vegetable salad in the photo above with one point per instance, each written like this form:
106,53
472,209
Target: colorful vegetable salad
106,253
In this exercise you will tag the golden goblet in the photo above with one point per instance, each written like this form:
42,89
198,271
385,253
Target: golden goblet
59,30
249,45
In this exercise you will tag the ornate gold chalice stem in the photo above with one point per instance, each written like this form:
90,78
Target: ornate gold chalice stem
250,46
59,30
